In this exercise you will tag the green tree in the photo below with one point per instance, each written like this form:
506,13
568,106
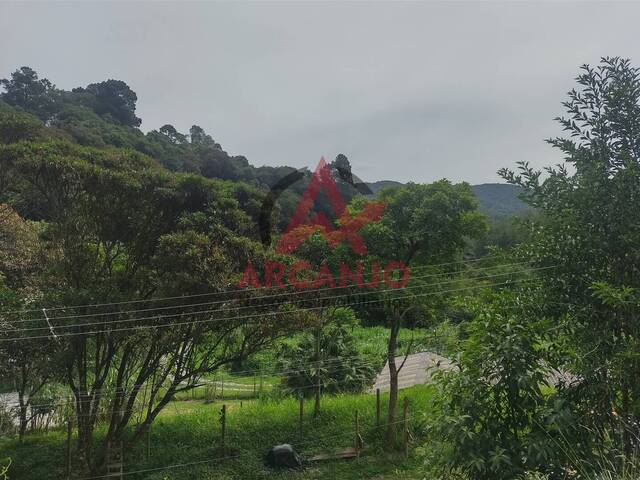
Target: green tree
16,125
590,230
199,137
35,95
125,229
422,225
28,363
115,99
494,412
172,134
340,368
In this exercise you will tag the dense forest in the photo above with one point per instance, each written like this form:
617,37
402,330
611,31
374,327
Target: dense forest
122,254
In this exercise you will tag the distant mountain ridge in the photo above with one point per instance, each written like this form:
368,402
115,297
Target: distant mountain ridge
375,187
497,200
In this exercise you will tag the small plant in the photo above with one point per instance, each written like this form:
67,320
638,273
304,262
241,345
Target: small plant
6,420
4,468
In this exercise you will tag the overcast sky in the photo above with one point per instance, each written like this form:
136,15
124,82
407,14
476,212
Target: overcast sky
408,91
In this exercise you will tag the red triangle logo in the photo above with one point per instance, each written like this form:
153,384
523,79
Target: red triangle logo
301,227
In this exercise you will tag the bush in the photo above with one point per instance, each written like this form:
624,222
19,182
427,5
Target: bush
7,426
340,369
495,414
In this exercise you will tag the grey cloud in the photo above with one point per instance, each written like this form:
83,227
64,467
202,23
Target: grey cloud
409,91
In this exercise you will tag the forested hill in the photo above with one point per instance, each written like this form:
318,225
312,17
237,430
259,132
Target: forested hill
375,187
103,115
499,200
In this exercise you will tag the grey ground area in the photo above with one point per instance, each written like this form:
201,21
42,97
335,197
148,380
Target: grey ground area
417,370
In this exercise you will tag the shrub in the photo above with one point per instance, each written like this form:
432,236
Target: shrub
496,417
340,368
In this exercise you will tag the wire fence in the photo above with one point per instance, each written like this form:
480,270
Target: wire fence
317,442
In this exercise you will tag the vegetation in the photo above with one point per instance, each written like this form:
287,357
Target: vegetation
336,365
499,201
190,434
122,255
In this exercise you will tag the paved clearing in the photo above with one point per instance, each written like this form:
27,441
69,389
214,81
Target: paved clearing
9,400
416,371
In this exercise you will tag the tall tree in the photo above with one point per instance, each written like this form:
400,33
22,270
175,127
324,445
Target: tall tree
125,229
172,134
114,98
24,89
28,363
422,225
591,230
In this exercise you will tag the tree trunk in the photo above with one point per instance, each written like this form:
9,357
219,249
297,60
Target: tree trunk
390,436
625,424
22,414
85,432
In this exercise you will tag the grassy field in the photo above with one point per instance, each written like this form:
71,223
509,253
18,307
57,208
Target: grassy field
188,430
187,436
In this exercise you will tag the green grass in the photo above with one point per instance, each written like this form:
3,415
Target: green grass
372,342
231,387
189,431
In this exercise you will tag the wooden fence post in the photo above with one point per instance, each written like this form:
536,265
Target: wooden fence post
69,432
316,409
223,423
357,438
222,390
301,415
405,427
377,407
115,459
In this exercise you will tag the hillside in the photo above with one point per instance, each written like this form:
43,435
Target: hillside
379,185
497,200
102,116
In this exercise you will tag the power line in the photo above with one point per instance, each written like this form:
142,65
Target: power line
143,327
217,293
237,308
283,294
